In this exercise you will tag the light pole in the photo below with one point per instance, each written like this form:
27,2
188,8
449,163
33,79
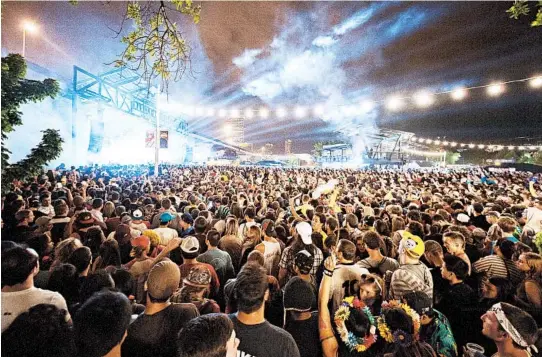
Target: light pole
156,93
31,27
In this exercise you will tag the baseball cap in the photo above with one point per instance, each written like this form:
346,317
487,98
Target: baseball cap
305,231
43,221
163,280
298,295
268,228
304,261
187,217
412,245
199,277
166,217
463,218
190,245
137,215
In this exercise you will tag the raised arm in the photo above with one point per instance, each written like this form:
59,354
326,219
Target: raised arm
330,345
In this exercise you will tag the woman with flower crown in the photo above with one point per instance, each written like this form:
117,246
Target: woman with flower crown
399,325
354,331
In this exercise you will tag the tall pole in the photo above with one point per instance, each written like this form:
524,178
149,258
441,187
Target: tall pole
24,40
157,135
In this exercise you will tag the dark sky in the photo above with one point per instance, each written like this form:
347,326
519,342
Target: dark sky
271,53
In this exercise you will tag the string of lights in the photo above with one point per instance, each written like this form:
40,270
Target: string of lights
490,147
394,103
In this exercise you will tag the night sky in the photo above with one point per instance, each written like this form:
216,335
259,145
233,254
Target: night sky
337,53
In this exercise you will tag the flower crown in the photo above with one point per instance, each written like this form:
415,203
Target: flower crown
399,336
353,342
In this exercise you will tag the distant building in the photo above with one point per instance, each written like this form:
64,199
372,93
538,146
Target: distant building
288,147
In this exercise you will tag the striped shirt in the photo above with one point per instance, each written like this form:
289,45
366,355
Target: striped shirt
411,277
495,266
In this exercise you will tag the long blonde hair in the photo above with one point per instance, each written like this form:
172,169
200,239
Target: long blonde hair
534,262
254,236
232,228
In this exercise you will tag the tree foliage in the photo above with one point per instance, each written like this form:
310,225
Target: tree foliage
523,8
156,47
16,90
452,157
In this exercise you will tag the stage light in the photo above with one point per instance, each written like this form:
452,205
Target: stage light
429,141
471,146
532,147
459,93
189,110
437,142
249,114
367,106
210,112
281,113
413,138
495,89
264,112
318,110
511,147
521,147
463,145
424,99
536,82
222,113
420,140
454,144
445,143
481,146
300,112
234,113
395,103
30,26
199,111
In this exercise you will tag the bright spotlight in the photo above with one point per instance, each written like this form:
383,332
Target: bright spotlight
445,143
281,113
421,140
471,146
318,110
437,142
395,103
210,112
481,146
495,89
300,112
463,145
521,147
30,26
189,110
222,113
429,141
454,144
424,99
536,82
511,147
264,112
234,113
532,147
459,93
367,105
199,111
249,114
228,130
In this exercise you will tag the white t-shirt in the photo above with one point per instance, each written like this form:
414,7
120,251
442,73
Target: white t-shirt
533,217
243,229
18,302
166,234
344,279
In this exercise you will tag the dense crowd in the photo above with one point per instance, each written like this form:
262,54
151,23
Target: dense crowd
260,262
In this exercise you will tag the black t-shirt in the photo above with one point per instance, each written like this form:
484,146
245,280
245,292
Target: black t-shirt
156,335
264,340
305,334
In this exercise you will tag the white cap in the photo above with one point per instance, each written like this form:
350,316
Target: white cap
305,231
463,218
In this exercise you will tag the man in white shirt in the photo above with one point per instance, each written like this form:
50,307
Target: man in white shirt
249,214
19,266
346,274
533,216
166,234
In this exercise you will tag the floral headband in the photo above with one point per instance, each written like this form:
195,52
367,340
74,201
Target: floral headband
353,342
510,329
399,336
